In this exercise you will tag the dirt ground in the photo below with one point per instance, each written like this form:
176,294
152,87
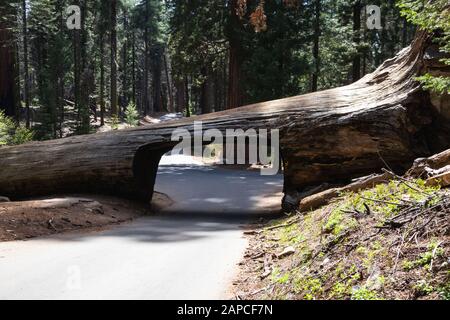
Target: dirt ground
46,216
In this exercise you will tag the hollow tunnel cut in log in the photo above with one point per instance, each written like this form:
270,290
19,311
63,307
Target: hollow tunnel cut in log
328,136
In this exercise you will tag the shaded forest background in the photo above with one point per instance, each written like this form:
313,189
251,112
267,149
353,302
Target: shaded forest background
133,58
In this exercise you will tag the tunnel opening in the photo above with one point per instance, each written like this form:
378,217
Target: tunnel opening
213,182
198,186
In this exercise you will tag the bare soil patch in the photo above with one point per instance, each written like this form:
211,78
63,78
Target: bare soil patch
46,216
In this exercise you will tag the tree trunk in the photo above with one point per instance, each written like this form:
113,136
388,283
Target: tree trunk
102,81
157,70
60,74
180,102
206,97
330,136
114,101
187,96
125,96
235,62
25,63
8,63
146,97
169,82
357,40
133,72
77,67
316,49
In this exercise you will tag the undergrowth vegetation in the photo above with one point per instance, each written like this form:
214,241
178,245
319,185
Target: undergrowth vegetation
11,133
389,242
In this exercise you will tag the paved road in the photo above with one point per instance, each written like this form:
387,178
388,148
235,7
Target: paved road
190,251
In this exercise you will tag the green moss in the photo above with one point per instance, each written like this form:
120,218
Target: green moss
311,288
339,221
365,294
423,288
424,260
283,279
323,234
348,278
290,235
444,291
339,291
387,199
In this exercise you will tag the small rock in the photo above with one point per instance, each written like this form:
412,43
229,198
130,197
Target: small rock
4,199
286,252
325,263
94,206
375,280
267,272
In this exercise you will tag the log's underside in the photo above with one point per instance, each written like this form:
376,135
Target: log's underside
329,136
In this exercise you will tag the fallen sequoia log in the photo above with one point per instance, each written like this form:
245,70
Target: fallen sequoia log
329,136
435,170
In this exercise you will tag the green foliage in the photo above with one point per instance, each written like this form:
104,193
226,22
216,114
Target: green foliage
115,122
49,51
364,293
11,134
423,288
358,263
387,198
22,135
339,222
444,291
84,125
432,16
424,260
7,127
311,288
132,115
440,85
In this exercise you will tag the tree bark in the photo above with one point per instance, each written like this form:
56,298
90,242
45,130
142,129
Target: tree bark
169,82
133,71
357,40
8,63
146,96
330,136
102,81
235,59
25,63
206,95
316,48
124,95
180,95
157,70
114,101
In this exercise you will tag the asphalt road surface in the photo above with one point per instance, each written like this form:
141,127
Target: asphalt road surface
188,251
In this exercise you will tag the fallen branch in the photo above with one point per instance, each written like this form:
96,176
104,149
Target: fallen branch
284,225
323,198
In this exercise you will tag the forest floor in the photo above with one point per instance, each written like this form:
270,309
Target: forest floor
389,242
42,217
